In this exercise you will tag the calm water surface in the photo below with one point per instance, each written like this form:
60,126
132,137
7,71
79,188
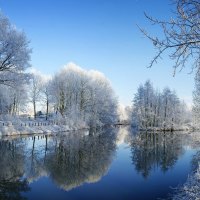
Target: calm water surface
109,164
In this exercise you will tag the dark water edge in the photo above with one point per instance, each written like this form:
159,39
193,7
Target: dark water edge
114,163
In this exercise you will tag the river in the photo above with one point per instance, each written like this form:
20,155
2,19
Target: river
114,163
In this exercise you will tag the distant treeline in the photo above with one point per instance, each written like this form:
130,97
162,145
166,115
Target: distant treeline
155,109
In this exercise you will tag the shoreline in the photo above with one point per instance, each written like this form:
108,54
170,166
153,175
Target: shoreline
168,129
12,129
51,129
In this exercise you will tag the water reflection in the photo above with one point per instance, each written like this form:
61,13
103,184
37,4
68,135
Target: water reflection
73,161
11,165
152,150
69,160
76,158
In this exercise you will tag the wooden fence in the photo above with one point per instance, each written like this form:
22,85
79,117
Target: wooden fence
31,124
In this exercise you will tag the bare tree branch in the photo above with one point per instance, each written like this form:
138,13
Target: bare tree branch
181,35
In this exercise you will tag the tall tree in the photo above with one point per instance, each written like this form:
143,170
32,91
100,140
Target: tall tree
35,90
14,52
196,100
46,93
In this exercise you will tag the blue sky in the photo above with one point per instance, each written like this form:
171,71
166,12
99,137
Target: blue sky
101,35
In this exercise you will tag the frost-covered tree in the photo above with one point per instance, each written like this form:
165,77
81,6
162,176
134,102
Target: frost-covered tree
102,108
152,108
46,93
196,100
181,35
149,101
14,52
85,96
145,106
70,87
14,60
13,99
171,110
35,87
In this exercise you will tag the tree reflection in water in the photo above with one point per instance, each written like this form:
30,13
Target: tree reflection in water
11,165
69,160
150,150
76,160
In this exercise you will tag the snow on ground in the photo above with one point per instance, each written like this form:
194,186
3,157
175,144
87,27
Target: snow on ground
191,189
17,126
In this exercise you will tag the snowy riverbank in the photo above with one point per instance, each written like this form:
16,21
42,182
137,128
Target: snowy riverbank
187,127
25,127
191,189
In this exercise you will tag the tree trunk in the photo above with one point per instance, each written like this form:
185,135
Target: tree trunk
34,109
47,109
